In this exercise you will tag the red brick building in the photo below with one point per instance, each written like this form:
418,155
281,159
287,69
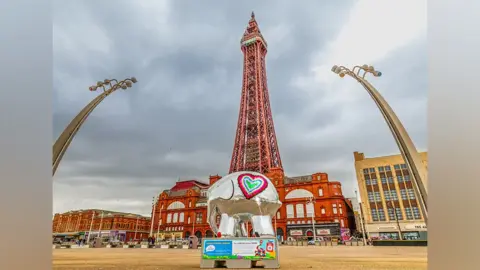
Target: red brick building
110,224
181,211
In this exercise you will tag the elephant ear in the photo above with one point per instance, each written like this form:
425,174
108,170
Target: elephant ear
221,190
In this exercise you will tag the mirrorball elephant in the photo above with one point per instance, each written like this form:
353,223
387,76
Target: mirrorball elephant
240,197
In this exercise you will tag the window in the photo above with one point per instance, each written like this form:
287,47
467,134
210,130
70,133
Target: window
365,171
377,196
407,178
290,211
342,224
320,192
408,212
340,209
399,213
411,194
371,198
380,169
396,166
199,218
368,182
374,181
386,193
169,218
189,203
391,213
323,210
278,215
189,220
334,206
403,166
381,214
387,168
181,218
390,195
300,212
372,170
318,177
336,220
310,210
403,193
400,178
416,213
384,180
390,180
374,214
175,218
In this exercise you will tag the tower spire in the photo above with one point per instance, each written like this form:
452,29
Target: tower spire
255,147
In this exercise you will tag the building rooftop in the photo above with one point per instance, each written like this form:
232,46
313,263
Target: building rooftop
105,213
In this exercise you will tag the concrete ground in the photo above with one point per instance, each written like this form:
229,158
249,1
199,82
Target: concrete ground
325,258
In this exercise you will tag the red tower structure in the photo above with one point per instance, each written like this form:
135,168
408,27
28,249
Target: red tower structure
255,147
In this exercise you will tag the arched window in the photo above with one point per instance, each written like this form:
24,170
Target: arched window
169,218
176,205
182,218
189,203
298,193
300,212
323,210
188,220
320,192
278,215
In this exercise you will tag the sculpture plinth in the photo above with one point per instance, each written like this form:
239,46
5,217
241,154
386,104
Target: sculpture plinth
239,198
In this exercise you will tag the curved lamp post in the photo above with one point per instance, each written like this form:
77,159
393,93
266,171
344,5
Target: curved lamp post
64,140
405,144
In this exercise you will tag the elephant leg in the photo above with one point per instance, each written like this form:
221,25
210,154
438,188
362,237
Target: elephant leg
243,229
227,226
263,226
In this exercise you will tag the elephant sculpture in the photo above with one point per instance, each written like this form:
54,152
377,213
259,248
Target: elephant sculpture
240,197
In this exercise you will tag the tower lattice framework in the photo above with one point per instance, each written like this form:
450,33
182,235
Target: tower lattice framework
256,147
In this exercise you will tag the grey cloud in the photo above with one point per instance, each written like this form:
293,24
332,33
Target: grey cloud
179,121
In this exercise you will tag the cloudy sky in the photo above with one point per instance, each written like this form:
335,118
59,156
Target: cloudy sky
179,120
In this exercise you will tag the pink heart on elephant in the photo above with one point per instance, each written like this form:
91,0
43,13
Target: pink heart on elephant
251,185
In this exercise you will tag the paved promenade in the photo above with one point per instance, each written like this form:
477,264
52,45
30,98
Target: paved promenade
292,258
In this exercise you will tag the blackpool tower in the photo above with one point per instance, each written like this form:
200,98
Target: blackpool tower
255,147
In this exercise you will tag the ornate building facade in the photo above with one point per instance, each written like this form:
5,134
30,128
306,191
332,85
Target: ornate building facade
182,210
109,224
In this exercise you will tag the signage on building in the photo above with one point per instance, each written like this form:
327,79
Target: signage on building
296,232
247,249
416,227
323,231
200,204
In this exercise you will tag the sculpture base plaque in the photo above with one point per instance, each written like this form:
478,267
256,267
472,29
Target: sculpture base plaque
239,253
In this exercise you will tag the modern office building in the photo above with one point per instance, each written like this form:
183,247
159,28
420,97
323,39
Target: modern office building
389,203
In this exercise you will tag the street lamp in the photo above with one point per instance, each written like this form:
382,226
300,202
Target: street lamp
159,220
154,206
391,204
405,144
311,200
361,220
64,140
